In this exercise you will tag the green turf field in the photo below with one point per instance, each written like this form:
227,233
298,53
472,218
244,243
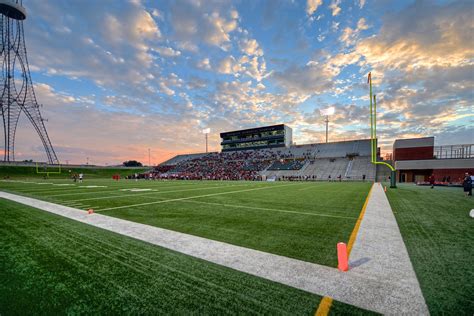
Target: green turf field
53,265
297,220
439,235
294,219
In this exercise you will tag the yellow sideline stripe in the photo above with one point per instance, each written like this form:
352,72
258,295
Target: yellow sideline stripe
326,302
357,225
324,306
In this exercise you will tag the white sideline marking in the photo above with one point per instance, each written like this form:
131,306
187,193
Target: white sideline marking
358,286
63,185
43,183
195,197
271,209
136,190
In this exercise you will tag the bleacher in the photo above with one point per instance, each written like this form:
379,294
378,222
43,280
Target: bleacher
349,160
256,165
180,158
286,165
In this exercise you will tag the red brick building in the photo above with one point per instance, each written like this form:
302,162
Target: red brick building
417,158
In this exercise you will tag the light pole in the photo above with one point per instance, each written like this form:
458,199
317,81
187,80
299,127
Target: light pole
326,112
327,126
206,132
149,157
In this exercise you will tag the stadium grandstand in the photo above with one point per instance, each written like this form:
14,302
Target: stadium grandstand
415,160
268,153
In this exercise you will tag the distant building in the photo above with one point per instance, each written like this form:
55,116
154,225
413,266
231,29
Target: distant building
416,159
257,138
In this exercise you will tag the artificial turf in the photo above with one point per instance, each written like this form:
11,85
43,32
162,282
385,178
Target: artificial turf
439,236
297,220
53,265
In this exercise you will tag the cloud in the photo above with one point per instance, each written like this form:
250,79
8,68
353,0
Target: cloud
313,78
78,128
421,62
350,36
204,64
229,66
423,35
125,68
167,51
334,6
312,6
209,22
250,47
106,42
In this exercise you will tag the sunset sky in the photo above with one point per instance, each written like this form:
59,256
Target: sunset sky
118,77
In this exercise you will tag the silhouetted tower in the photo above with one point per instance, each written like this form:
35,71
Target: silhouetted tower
17,94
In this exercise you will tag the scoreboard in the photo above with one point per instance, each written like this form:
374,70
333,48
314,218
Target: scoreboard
256,138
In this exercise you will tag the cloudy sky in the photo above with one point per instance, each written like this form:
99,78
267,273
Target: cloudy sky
118,77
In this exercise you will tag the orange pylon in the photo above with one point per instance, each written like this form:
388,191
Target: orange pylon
343,264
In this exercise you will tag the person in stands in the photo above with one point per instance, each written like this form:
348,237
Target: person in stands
467,184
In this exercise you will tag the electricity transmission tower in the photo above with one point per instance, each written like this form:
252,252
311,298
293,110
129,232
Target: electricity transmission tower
16,88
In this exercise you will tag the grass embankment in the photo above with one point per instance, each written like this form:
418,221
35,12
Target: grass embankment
16,172
52,265
439,235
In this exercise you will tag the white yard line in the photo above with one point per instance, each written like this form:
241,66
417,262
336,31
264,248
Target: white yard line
370,283
115,190
269,209
68,191
194,197
155,192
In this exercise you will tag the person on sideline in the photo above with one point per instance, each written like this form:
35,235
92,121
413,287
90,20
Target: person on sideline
467,184
81,177
472,182
432,180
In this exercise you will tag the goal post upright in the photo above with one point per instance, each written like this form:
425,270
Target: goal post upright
48,172
373,135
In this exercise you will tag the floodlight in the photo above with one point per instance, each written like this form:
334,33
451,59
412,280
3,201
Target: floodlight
328,111
206,131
